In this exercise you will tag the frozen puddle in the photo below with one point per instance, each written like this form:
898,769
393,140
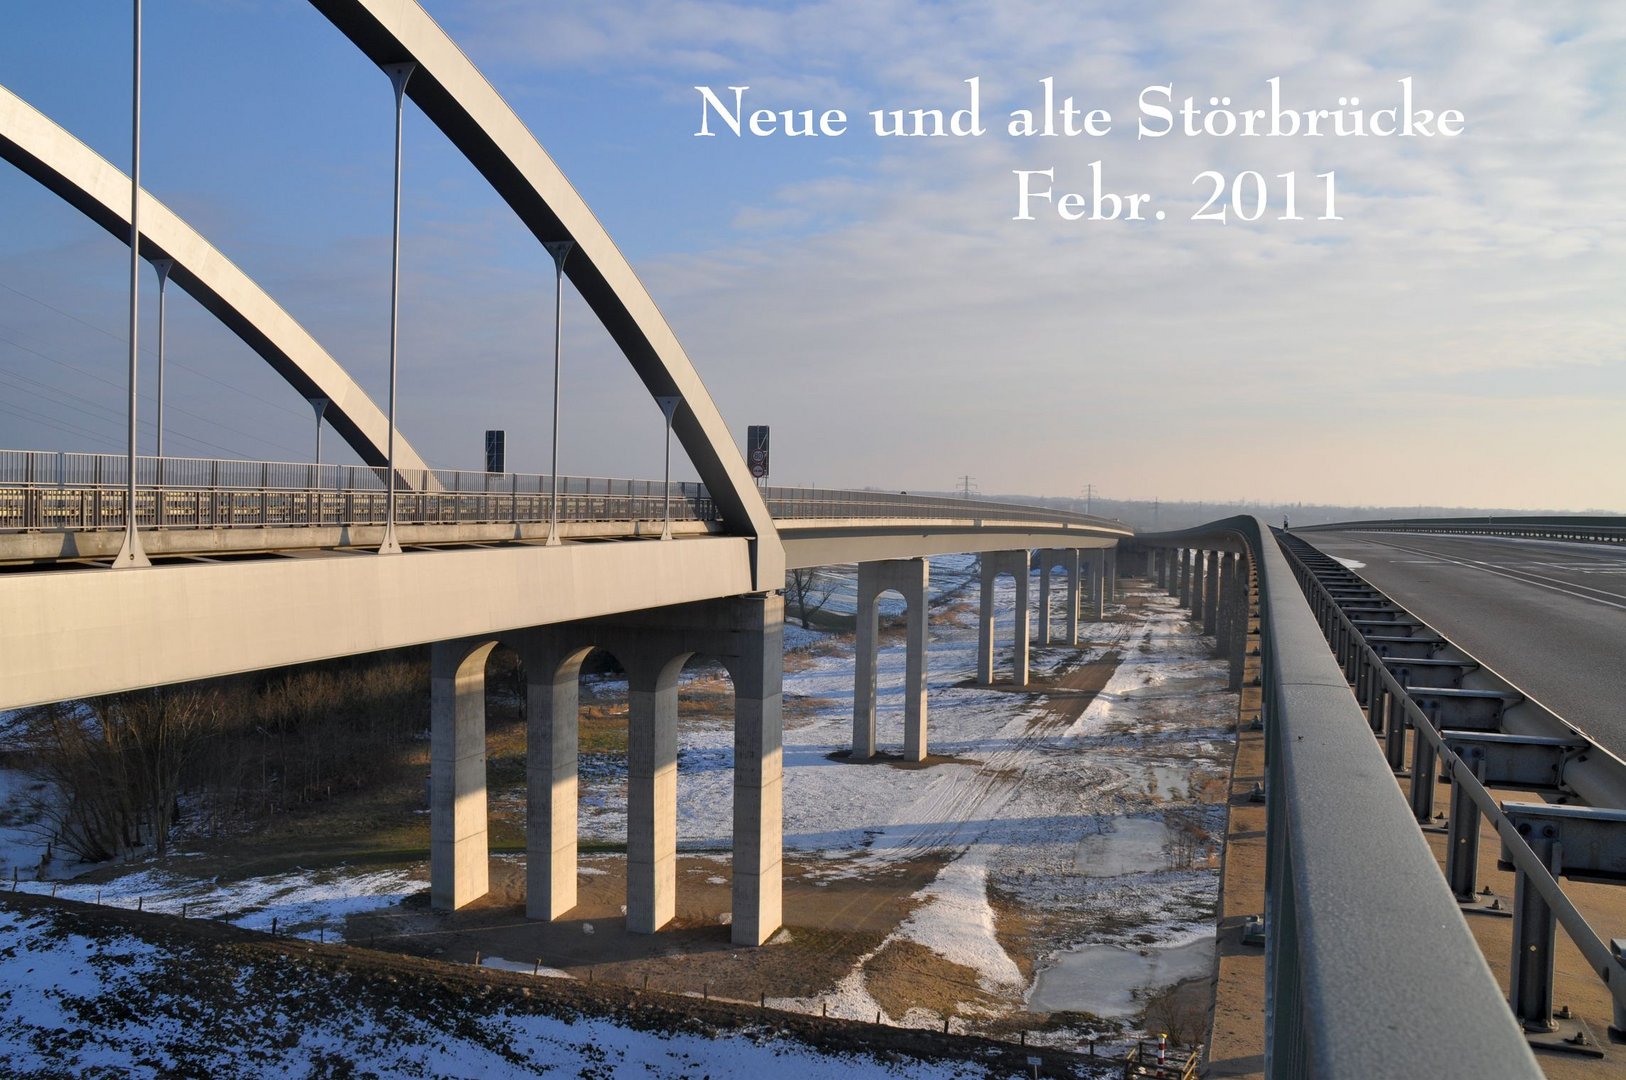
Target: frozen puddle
1169,781
1111,981
1133,847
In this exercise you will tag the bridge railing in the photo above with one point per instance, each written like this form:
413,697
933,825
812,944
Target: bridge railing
1581,528
67,491
1370,968
43,491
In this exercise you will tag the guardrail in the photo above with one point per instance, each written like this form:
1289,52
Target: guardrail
42,491
1371,969
1560,761
1592,530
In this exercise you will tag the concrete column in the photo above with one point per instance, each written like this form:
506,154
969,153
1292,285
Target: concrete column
758,672
459,859
1112,574
1200,571
1211,604
866,647
1098,586
651,789
987,568
551,806
1021,631
909,577
1237,644
1184,586
994,563
1045,559
1073,560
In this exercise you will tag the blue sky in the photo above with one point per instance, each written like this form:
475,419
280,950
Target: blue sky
1458,338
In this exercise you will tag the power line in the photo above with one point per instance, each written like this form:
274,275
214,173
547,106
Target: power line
118,386
169,360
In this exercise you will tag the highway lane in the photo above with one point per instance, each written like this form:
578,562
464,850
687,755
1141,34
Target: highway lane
1549,617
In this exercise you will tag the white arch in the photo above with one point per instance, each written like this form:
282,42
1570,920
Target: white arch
45,151
468,110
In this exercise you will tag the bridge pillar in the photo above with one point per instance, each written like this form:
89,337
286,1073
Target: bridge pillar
759,769
1098,586
909,577
1183,586
459,867
1236,634
1211,603
747,634
552,697
994,563
1044,595
1069,559
651,788
1073,560
1112,574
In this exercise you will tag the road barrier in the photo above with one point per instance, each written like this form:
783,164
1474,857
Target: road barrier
1371,969
1590,530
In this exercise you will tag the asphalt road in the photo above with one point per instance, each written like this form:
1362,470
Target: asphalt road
1549,617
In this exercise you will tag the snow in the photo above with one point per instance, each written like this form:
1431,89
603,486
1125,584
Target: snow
1068,818
68,999
303,903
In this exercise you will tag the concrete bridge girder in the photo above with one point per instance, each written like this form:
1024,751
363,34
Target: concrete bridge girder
745,633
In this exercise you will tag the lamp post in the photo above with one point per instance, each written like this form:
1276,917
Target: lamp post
668,407
399,74
163,267
560,250
130,553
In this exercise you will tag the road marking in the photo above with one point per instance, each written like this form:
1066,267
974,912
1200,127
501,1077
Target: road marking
1524,576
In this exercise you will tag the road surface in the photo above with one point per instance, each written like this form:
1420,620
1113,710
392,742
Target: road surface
1549,617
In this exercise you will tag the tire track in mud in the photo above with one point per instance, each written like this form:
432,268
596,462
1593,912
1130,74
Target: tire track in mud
955,800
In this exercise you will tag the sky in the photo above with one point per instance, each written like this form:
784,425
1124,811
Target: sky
1458,338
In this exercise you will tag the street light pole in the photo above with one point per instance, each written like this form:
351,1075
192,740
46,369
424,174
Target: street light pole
668,407
130,553
399,74
163,267
560,250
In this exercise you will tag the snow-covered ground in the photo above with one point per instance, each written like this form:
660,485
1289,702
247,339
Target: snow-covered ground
1080,821
76,1004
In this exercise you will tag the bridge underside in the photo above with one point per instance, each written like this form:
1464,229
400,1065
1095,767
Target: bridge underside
221,602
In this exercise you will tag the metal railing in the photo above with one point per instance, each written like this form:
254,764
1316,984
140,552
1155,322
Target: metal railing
44,491
1583,529
1370,967
1590,775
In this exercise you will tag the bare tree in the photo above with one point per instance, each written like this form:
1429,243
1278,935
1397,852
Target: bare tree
808,591
117,765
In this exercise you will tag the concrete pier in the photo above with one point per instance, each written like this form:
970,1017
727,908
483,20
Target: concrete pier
909,578
459,857
1070,560
994,563
745,633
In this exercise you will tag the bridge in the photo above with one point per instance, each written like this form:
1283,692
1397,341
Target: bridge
250,565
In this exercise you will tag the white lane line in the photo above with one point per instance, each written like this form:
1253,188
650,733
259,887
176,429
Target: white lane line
1526,577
